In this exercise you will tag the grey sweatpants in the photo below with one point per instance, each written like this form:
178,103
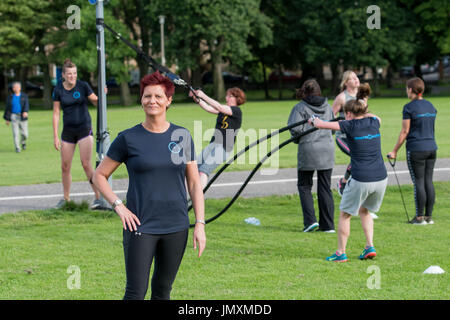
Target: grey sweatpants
19,129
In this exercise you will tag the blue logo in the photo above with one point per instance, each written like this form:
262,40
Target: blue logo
426,115
174,147
76,95
368,137
92,2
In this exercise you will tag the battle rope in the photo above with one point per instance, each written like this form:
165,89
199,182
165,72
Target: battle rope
283,144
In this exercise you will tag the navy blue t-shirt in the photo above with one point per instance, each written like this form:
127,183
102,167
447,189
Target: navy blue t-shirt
156,164
74,103
364,141
421,132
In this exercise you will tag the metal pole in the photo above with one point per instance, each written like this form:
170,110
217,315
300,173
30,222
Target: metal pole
163,56
102,133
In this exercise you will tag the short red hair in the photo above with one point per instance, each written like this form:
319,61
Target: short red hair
238,94
157,79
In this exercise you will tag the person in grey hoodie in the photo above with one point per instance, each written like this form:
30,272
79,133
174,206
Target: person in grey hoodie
315,153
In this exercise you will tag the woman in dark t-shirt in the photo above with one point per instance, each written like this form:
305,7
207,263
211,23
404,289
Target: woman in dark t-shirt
159,157
419,117
365,189
228,122
72,97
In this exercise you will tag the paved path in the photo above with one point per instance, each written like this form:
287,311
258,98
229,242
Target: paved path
264,183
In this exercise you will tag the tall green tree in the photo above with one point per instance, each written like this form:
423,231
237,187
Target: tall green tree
223,27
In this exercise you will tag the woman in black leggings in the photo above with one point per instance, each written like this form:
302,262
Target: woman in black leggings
160,157
419,117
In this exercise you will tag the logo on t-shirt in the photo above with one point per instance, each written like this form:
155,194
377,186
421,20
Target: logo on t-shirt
76,95
368,137
426,115
174,147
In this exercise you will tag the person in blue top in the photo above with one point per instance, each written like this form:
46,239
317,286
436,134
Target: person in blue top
418,123
159,157
16,113
72,97
365,189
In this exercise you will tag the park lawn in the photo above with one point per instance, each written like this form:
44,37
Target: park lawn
274,261
40,163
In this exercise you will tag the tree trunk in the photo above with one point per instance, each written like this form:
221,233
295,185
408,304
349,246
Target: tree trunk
441,69
216,61
125,96
389,77
3,84
280,82
266,86
375,86
335,79
219,85
417,70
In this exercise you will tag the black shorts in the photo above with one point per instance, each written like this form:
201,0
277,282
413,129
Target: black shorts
75,134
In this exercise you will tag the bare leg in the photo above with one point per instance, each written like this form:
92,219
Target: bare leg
367,225
67,151
343,231
85,146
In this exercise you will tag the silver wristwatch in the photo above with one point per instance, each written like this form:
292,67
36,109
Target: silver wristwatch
116,203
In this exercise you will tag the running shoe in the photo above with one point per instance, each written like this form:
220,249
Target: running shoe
341,186
337,258
374,216
311,227
428,220
368,253
418,220
97,203
329,231
60,203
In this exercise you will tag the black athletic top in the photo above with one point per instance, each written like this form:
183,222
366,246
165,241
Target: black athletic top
421,132
156,164
227,128
364,141
74,104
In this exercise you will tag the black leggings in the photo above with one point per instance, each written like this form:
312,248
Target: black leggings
421,166
324,196
139,250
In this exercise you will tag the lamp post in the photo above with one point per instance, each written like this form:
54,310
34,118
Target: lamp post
163,57
103,141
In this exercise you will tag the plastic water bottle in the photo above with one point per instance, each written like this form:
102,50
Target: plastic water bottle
253,221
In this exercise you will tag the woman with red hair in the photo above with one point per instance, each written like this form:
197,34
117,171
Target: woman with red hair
160,157
228,122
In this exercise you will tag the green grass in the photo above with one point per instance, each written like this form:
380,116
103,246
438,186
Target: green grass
40,163
272,261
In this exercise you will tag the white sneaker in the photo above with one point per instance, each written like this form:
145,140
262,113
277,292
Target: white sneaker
60,203
311,227
374,216
329,231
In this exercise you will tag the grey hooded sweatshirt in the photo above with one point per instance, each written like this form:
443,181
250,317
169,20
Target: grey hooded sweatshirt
315,150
